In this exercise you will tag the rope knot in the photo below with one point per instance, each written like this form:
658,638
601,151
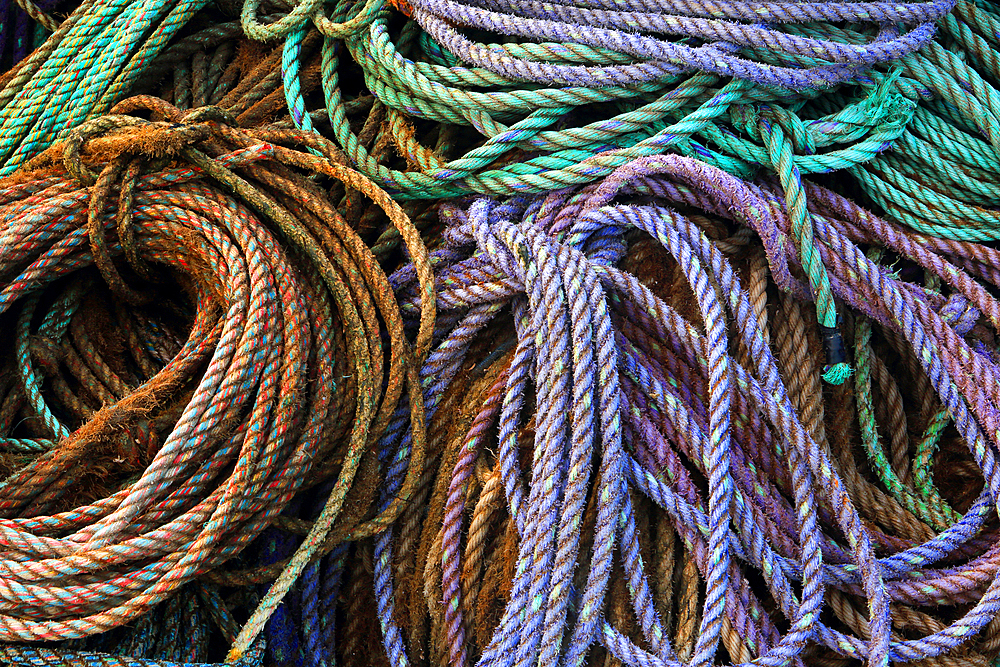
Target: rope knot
794,129
758,122
885,107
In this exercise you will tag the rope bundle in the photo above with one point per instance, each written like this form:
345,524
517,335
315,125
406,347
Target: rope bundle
538,139
607,399
940,177
704,38
543,139
89,63
259,368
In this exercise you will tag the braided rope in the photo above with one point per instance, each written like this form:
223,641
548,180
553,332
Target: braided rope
777,522
87,64
248,401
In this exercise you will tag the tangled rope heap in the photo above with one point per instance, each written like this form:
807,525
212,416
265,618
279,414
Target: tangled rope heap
706,38
264,371
611,399
595,433
560,136
538,139
89,63
940,178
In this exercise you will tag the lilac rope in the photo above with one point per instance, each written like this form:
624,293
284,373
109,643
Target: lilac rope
623,380
627,28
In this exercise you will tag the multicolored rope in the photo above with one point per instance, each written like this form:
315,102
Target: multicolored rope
940,177
705,38
538,139
610,395
89,63
272,375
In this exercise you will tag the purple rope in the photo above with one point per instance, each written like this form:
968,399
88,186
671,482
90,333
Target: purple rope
627,28
616,369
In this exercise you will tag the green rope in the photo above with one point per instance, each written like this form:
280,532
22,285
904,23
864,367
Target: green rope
82,70
942,177
537,139
930,509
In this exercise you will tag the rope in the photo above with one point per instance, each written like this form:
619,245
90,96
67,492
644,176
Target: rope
595,433
539,139
940,176
269,373
548,31
84,67
608,397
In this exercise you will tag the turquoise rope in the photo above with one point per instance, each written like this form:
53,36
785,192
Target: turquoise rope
83,70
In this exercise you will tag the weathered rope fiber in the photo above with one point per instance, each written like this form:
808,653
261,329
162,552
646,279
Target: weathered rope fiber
628,399
705,38
936,109
940,177
446,576
89,63
213,68
294,360
542,139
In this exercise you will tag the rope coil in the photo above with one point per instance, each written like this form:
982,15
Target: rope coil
283,370
759,497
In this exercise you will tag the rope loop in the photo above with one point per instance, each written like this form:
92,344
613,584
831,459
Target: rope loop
269,354
304,12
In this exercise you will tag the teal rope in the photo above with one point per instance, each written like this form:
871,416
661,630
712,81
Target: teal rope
82,70
685,114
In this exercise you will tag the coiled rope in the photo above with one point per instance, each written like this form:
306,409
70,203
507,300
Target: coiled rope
89,63
576,130
716,36
940,177
277,377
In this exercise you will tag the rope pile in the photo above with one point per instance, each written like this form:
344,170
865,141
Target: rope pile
262,372
715,37
555,114
606,400
940,177
537,138
478,333
88,64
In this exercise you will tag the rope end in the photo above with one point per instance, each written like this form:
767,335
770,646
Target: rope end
837,374
837,370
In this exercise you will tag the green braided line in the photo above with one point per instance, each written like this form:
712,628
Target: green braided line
679,114
933,514
923,462
780,154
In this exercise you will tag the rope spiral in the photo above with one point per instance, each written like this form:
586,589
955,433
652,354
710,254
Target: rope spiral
264,371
